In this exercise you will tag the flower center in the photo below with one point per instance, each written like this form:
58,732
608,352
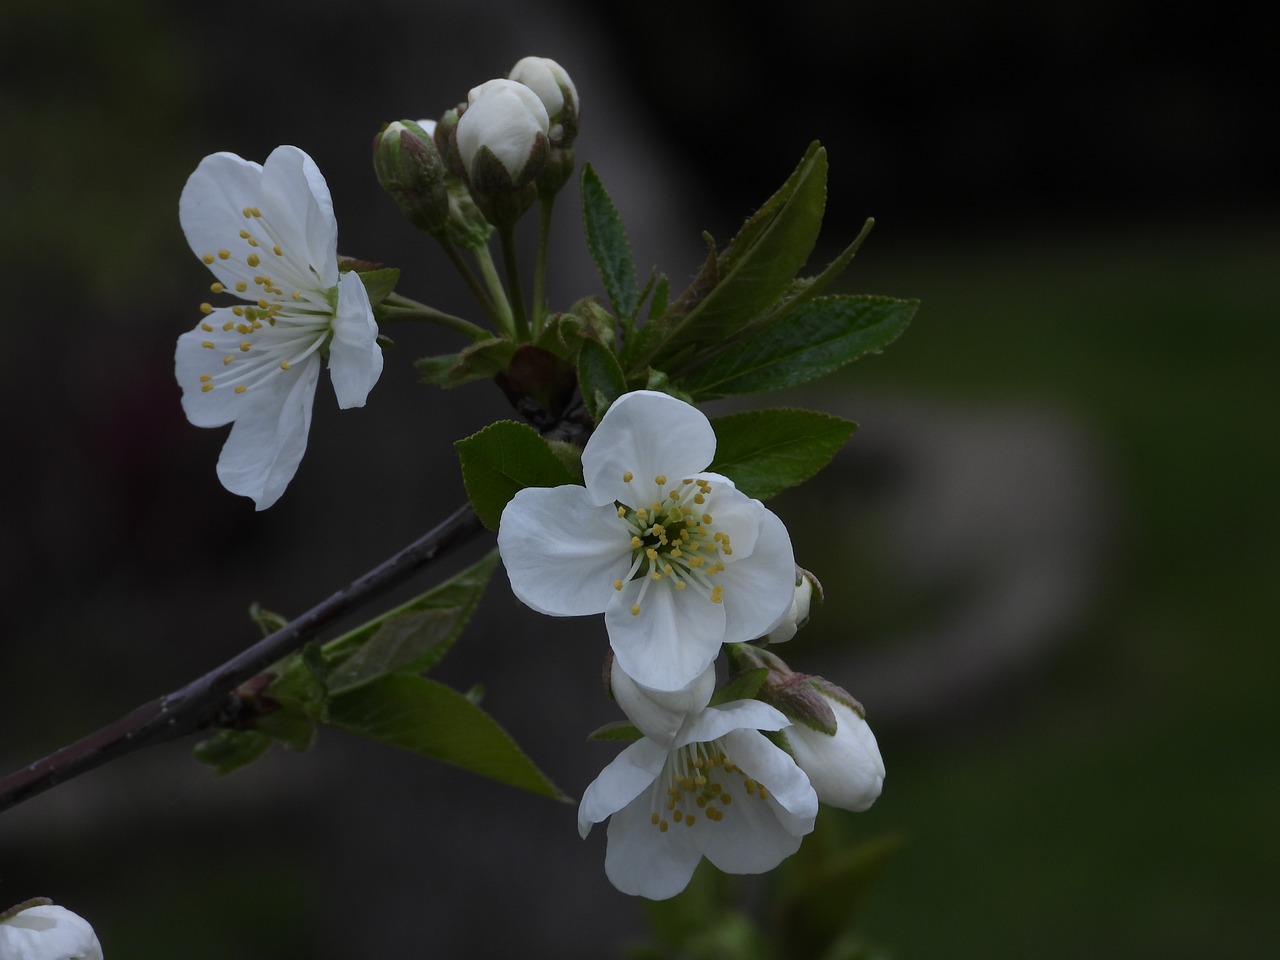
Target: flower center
277,330
674,539
701,782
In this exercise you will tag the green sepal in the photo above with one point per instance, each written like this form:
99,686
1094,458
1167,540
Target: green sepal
413,637
428,718
229,750
766,451
478,361
607,242
741,686
600,378
616,730
814,339
503,459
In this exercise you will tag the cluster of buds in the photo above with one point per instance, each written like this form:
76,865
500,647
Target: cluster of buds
508,143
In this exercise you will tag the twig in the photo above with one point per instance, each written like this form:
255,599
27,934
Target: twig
198,704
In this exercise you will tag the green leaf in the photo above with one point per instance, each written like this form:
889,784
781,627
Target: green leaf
503,459
766,451
478,361
742,686
229,750
607,241
379,284
761,261
600,377
433,720
814,339
414,636
616,730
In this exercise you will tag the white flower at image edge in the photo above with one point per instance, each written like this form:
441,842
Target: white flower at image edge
48,932
678,561
721,790
269,235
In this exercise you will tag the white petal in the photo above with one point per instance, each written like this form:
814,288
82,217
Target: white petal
193,360
48,933
659,714
647,434
298,210
355,359
643,861
561,552
771,765
210,210
759,589
736,515
266,444
671,640
629,773
715,722
505,116
846,770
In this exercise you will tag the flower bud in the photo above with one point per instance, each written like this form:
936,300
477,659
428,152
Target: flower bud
502,136
845,768
40,930
409,168
551,83
798,615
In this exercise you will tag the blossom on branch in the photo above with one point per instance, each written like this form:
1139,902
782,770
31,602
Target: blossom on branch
268,234
679,561
45,931
719,789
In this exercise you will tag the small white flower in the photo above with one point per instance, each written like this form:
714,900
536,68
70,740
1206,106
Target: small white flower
48,932
554,88
268,234
720,789
678,561
507,121
845,768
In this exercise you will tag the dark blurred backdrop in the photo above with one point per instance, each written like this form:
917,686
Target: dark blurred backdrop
1048,549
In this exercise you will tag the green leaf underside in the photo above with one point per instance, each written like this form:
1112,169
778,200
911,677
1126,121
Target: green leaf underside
414,636
600,377
229,750
607,242
766,451
479,361
428,718
503,459
813,340
761,261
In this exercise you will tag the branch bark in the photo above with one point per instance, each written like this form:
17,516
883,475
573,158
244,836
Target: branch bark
196,706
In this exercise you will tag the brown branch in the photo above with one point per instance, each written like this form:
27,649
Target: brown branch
198,704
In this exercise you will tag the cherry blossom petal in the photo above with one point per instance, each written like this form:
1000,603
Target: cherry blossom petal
355,359
627,775
659,714
758,590
645,434
671,640
269,438
562,553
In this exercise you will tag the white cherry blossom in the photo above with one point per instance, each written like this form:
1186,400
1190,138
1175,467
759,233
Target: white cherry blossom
268,234
679,561
45,931
719,789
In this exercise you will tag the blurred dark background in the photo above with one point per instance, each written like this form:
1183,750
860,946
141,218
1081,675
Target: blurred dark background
1048,550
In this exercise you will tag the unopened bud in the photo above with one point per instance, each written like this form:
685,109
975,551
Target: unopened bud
798,615
502,136
555,89
845,767
409,168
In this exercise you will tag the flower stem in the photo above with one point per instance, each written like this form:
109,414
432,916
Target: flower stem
396,308
490,273
465,271
198,705
512,265
545,204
